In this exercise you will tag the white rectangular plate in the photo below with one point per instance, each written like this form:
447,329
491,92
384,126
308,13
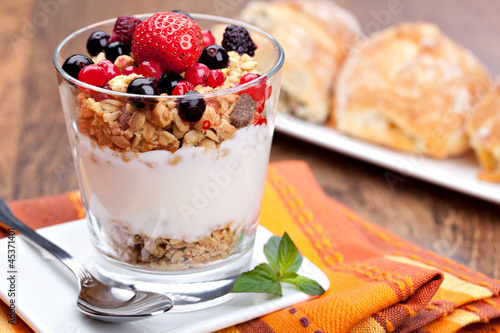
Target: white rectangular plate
47,292
459,174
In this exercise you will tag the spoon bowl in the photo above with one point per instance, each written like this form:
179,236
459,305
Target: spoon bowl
96,299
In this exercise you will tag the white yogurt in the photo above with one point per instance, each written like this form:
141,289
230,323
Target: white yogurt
204,191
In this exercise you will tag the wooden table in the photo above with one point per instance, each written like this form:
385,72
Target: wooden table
35,158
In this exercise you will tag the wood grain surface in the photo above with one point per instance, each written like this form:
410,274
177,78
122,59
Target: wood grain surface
35,158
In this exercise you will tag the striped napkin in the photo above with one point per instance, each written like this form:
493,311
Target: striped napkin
379,282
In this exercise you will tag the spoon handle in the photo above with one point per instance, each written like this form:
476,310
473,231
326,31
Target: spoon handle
73,264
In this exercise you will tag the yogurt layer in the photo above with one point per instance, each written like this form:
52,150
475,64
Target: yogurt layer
184,195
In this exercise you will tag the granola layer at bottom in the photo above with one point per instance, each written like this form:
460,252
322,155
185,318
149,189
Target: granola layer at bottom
166,254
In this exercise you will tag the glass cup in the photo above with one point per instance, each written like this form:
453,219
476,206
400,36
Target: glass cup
172,206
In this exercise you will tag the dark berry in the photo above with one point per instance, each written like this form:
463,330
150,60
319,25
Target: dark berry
182,88
214,56
96,42
182,12
191,110
115,49
93,74
142,86
168,81
237,38
74,63
124,29
197,74
207,37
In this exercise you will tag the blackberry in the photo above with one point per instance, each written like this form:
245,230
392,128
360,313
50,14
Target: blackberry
237,38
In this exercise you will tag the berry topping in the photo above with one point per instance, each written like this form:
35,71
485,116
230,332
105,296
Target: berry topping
237,38
96,42
182,88
171,39
115,49
150,68
74,63
110,69
214,56
208,38
93,74
258,91
182,12
215,78
260,121
191,110
243,112
142,86
168,81
124,29
129,70
197,74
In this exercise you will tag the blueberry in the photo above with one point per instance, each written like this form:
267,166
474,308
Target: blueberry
182,12
191,110
74,63
115,49
97,42
142,86
168,81
214,56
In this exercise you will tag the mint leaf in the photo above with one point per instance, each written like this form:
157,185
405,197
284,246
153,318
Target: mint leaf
287,254
262,279
306,285
271,251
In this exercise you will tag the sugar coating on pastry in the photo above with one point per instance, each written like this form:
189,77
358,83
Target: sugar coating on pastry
483,127
410,87
316,37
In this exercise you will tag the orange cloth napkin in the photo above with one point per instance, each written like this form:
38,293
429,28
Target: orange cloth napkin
379,282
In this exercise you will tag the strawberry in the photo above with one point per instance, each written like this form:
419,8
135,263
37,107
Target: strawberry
173,40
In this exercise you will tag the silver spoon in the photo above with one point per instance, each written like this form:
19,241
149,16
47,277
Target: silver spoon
96,299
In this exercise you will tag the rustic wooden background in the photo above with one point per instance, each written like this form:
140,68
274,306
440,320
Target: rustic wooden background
35,159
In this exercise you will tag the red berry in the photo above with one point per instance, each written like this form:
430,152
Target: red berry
206,125
173,40
182,87
100,96
258,91
208,38
110,69
129,70
215,78
149,68
124,29
197,74
93,75
261,120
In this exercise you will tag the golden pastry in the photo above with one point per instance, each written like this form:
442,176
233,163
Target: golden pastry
316,37
483,127
410,87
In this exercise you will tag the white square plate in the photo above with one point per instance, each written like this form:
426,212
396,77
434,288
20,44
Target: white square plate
459,173
46,292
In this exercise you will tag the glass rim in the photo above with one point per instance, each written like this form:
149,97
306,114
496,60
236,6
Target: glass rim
269,74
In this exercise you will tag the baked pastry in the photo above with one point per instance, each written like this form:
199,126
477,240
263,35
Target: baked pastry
483,127
410,87
316,37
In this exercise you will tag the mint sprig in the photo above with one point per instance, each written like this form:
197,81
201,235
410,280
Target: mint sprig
284,262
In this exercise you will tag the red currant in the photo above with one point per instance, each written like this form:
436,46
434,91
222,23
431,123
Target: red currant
93,75
111,69
182,87
150,68
258,91
129,70
208,38
215,78
197,74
